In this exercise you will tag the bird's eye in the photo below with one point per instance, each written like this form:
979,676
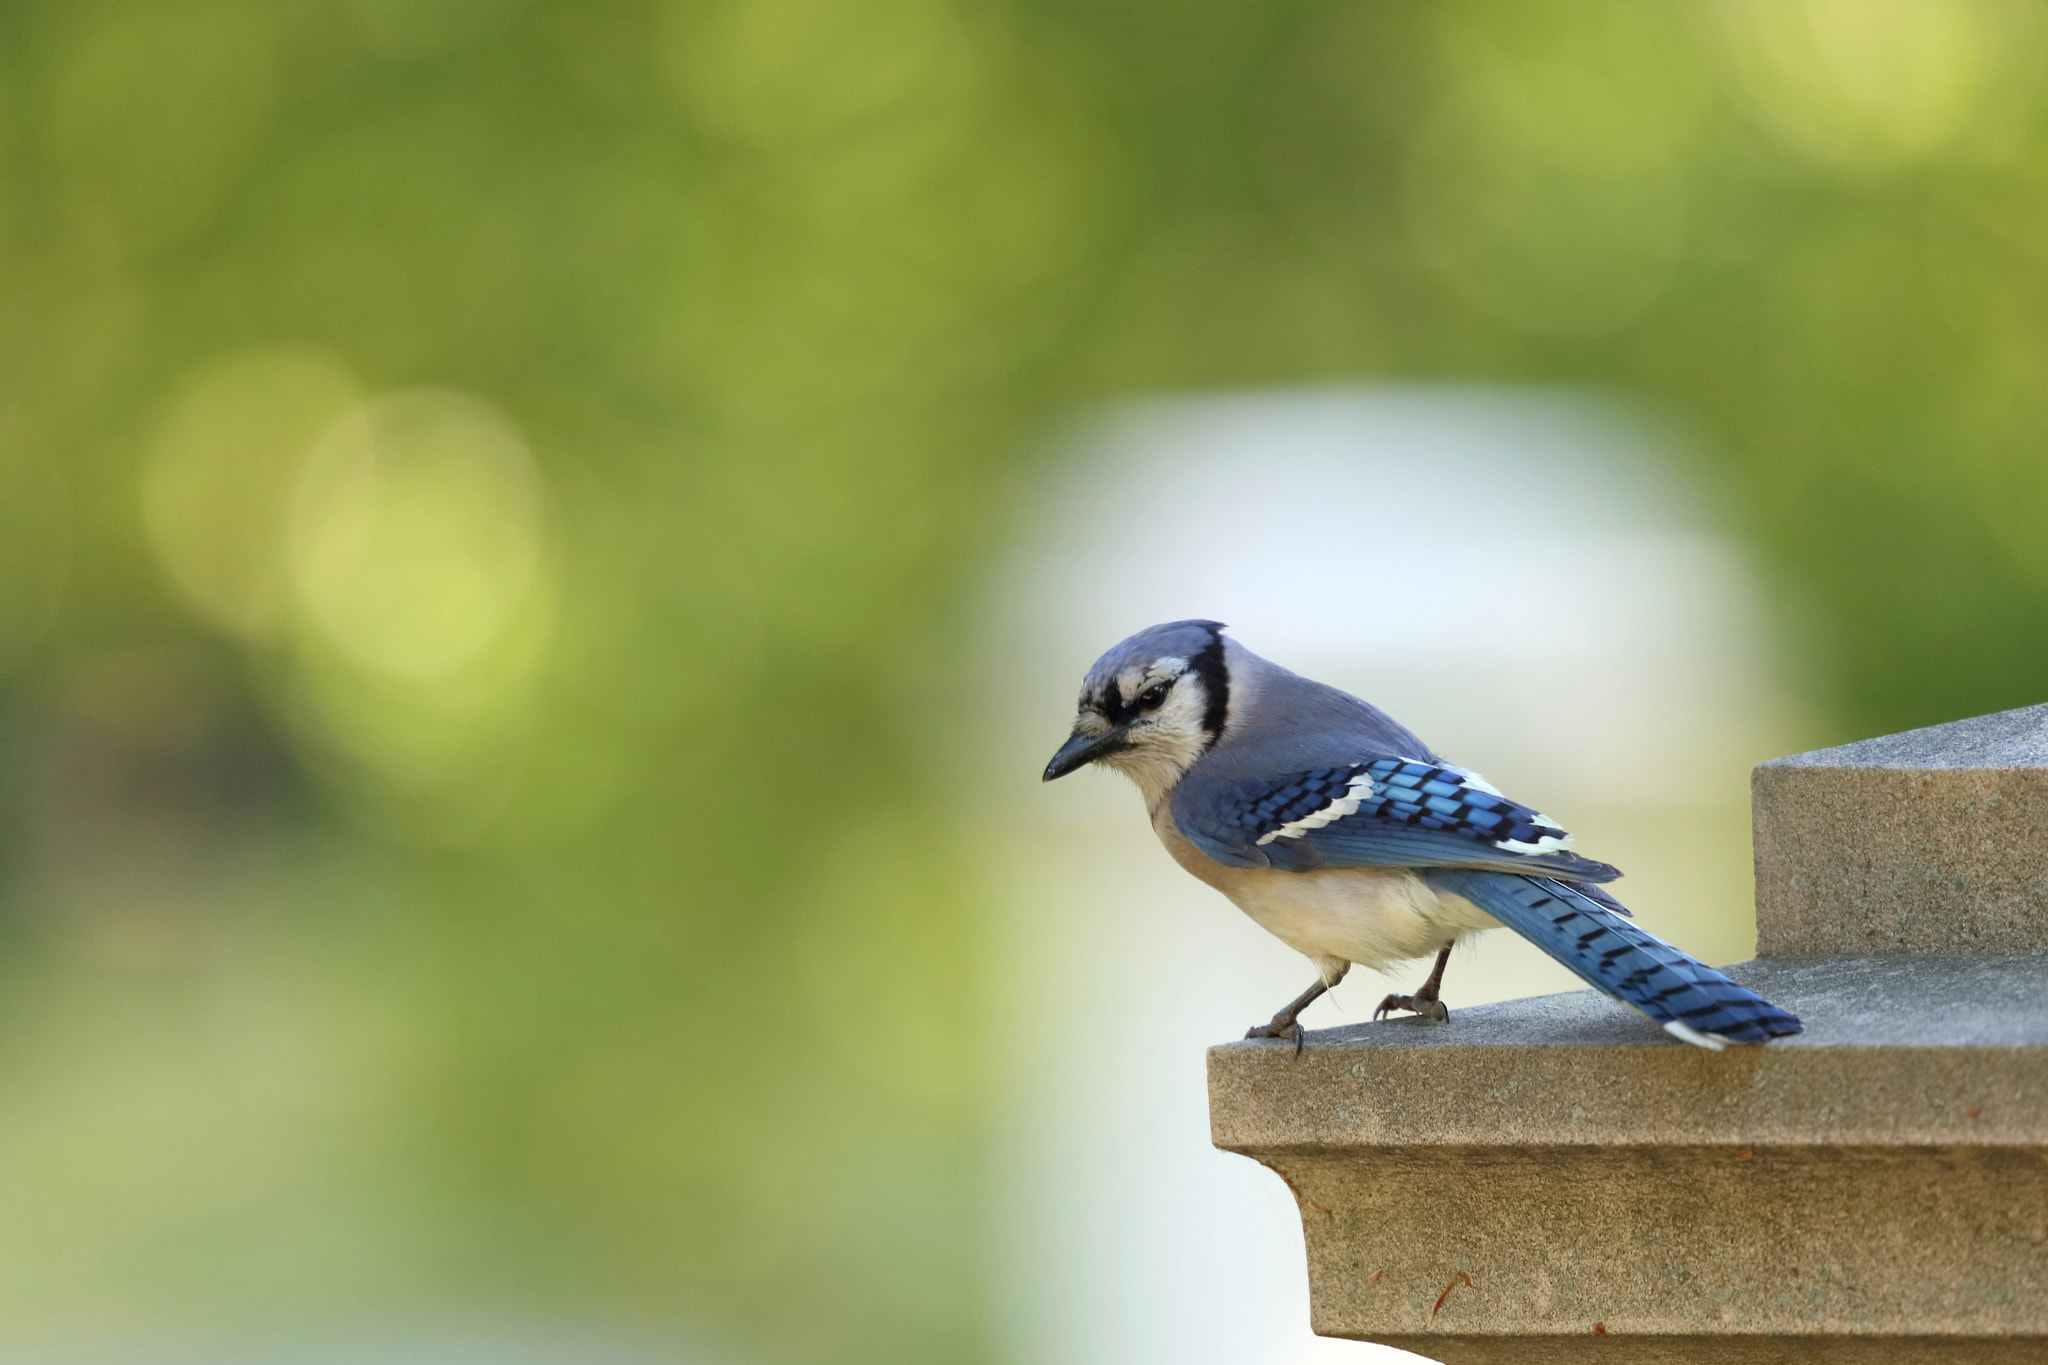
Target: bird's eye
1153,697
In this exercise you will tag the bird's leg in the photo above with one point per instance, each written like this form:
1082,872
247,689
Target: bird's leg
1287,1023
1424,1002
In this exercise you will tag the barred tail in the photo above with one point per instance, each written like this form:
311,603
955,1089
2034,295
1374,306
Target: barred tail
1690,999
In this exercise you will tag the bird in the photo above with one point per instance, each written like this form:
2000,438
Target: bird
1341,833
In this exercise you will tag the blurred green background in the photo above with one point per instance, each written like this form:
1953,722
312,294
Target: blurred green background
490,495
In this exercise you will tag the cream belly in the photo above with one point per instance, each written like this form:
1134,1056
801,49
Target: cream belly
1373,916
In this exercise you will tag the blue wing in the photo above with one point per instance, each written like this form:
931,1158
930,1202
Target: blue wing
1390,812
1687,997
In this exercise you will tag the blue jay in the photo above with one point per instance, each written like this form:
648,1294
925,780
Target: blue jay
1346,838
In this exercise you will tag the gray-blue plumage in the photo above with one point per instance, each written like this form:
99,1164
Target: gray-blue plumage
1345,835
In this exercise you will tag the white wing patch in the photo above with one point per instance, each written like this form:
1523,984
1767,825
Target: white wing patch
1474,780
1547,843
1359,789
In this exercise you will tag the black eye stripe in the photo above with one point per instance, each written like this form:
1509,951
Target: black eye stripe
1118,711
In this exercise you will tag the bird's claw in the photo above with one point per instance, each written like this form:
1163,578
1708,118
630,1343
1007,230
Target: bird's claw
1431,1009
1279,1028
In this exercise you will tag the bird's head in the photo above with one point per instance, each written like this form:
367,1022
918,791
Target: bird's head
1151,706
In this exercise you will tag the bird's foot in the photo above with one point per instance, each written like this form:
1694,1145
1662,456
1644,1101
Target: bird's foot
1283,1026
1422,1007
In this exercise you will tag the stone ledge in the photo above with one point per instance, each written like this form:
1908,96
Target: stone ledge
1875,1189
1896,1050
1691,1350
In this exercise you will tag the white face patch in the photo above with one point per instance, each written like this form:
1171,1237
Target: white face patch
1132,682
1358,790
1165,743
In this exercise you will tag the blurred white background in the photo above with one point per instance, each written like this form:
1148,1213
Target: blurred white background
1524,577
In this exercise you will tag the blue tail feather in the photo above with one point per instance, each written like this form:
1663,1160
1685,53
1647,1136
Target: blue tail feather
1686,996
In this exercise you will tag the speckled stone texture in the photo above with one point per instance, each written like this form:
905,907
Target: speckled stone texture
1883,1174
1557,1180
1931,841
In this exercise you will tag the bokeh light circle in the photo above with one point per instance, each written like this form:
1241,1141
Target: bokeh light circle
416,537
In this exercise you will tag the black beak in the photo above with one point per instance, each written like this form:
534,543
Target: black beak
1081,750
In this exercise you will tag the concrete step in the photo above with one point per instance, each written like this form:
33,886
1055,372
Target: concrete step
1931,841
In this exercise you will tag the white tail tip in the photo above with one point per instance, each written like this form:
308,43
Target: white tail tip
1694,1036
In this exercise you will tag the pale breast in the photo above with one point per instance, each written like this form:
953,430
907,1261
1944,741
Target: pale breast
1374,916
